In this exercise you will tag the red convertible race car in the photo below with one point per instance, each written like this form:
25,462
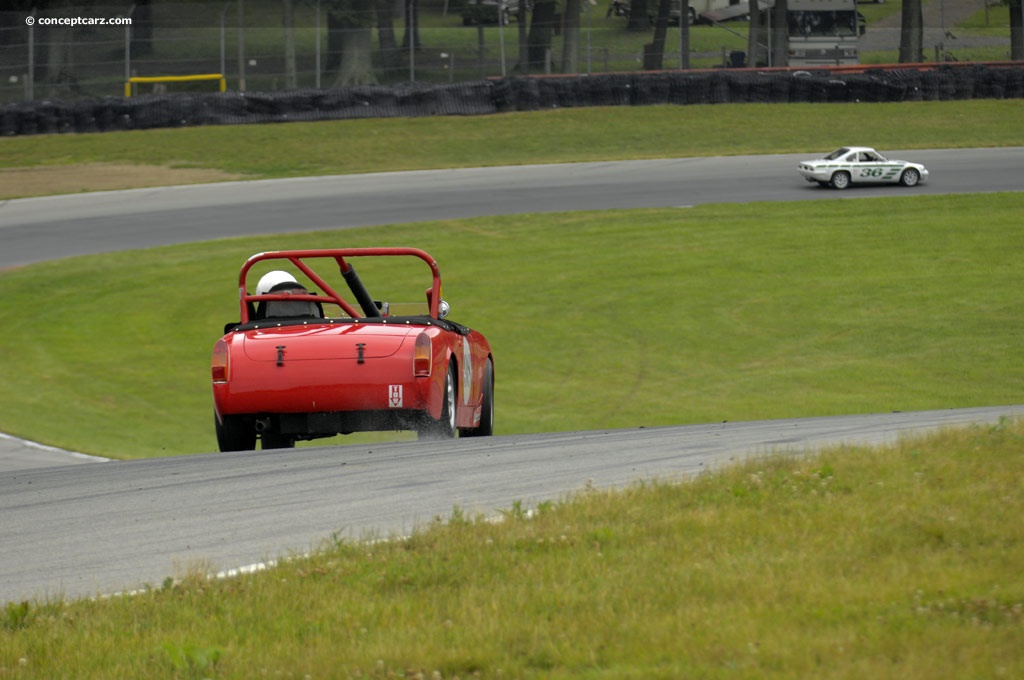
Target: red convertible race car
288,371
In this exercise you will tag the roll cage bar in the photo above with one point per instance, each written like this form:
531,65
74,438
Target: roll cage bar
355,285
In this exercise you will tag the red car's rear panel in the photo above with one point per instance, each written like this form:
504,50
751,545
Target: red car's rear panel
297,369
286,379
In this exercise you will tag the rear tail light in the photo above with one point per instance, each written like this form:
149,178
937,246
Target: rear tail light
219,364
422,356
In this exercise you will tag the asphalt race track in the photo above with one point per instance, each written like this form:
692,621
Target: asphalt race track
73,529
92,529
46,228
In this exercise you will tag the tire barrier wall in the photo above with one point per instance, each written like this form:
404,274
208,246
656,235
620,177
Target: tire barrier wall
513,94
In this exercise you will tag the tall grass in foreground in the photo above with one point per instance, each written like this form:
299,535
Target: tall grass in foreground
896,562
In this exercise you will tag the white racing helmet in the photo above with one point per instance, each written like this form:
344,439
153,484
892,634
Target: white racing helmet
271,279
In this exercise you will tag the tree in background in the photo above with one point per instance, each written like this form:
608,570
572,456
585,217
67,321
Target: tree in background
391,54
571,36
911,33
350,41
412,25
523,37
685,16
639,19
780,33
654,52
754,37
288,21
1016,30
542,28
142,28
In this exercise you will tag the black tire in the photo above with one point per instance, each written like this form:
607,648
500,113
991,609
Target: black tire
910,177
486,426
444,427
236,433
841,180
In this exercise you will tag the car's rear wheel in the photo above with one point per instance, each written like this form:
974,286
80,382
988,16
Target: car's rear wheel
235,433
486,426
910,177
841,179
444,427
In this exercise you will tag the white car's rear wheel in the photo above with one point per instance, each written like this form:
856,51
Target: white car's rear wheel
841,179
910,177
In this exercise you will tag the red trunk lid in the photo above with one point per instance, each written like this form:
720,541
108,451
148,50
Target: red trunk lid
316,342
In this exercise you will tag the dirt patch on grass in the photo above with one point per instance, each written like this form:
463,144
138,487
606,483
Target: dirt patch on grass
70,179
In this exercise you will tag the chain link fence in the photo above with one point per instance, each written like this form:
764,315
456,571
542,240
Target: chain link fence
92,51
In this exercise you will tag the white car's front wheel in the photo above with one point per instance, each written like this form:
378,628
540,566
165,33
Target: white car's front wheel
910,177
841,179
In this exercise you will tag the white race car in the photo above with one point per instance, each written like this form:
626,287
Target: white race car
860,165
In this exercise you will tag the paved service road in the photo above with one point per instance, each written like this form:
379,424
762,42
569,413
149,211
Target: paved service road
88,529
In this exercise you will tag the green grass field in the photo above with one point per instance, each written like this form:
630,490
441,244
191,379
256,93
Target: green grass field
597,319
561,136
728,312
899,562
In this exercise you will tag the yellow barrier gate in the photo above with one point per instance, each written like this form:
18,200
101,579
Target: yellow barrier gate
173,79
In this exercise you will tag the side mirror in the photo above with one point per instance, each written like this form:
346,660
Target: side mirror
442,309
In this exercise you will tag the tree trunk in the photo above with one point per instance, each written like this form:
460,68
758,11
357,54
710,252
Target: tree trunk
754,38
639,20
58,75
391,54
350,41
780,33
412,25
911,33
524,39
356,64
542,25
335,31
1017,30
684,35
291,80
654,53
571,37
142,28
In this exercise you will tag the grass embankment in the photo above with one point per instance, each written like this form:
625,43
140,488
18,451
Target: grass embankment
568,135
901,562
889,563
597,319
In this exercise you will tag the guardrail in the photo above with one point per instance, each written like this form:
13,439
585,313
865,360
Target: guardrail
129,90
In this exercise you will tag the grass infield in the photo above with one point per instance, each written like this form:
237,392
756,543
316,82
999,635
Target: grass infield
597,319
900,562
